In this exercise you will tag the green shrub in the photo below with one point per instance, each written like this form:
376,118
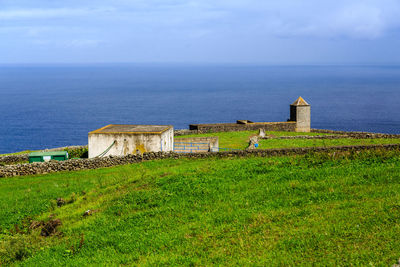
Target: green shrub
77,152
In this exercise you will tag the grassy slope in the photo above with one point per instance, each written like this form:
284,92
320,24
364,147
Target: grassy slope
239,140
17,153
315,209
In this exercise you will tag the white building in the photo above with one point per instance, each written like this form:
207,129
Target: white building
121,140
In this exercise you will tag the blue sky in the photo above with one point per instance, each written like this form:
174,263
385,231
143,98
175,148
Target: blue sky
201,31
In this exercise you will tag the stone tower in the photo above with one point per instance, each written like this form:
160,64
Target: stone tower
300,112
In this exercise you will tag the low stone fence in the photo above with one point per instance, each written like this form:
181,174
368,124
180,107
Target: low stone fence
185,132
361,135
288,126
334,134
309,137
13,159
84,164
337,136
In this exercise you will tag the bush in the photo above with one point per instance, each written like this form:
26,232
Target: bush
81,152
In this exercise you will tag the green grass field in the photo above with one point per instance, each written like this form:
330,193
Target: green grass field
240,140
320,209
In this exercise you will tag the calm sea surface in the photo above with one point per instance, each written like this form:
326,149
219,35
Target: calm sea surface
52,106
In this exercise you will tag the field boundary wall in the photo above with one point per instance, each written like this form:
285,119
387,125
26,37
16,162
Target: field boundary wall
95,163
289,126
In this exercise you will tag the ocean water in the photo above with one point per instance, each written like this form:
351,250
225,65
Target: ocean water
53,106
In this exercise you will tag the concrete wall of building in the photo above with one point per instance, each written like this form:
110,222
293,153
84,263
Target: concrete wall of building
196,144
289,126
303,119
127,143
167,138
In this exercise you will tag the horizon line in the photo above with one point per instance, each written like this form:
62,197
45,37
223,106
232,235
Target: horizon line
199,63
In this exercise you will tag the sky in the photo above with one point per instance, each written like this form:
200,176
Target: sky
200,31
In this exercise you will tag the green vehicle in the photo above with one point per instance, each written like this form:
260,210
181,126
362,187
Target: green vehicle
47,156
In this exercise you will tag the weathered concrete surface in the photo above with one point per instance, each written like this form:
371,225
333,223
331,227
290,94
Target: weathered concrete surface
196,144
132,128
122,140
253,142
300,112
261,133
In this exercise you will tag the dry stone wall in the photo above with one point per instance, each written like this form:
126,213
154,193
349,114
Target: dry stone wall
334,134
85,164
289,126
13,159
309,137
337,136
185,132
360,135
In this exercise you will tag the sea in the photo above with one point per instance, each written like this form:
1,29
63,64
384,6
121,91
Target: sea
47,106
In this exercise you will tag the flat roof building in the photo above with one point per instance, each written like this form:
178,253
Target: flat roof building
123,139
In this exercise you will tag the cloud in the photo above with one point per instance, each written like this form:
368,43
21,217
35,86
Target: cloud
83,43
48,13
367,19
363,21
75,43
358,19
201,29
354,19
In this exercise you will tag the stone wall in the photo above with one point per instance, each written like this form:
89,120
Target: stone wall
357,134
335,134
84,164
183,132
338,136
13,159
289,126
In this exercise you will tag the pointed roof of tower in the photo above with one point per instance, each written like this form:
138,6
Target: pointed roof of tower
300,102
